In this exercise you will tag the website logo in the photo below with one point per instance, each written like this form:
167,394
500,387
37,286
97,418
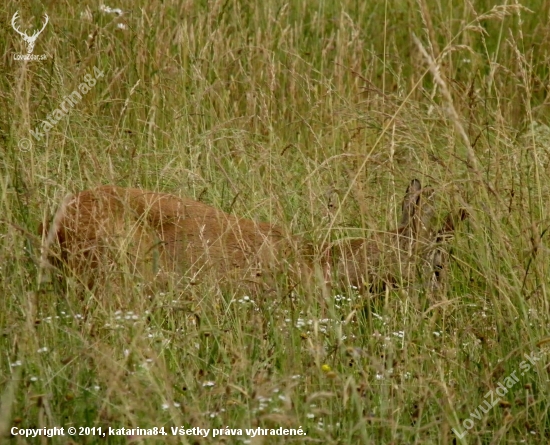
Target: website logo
30,40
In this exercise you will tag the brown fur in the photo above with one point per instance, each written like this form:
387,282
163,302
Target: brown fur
155,234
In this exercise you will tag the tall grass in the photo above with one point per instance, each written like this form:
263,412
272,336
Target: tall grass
261,109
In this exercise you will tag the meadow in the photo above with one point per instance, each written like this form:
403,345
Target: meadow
314,116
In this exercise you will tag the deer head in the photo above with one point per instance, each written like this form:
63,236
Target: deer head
30,40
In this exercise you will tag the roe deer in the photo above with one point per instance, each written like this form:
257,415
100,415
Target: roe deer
397,255
157,234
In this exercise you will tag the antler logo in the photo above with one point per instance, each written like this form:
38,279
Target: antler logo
30,40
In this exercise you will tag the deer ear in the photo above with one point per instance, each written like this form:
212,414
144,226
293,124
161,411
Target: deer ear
410,202
452,219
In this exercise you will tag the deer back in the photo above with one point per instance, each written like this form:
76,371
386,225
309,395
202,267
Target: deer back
155,232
